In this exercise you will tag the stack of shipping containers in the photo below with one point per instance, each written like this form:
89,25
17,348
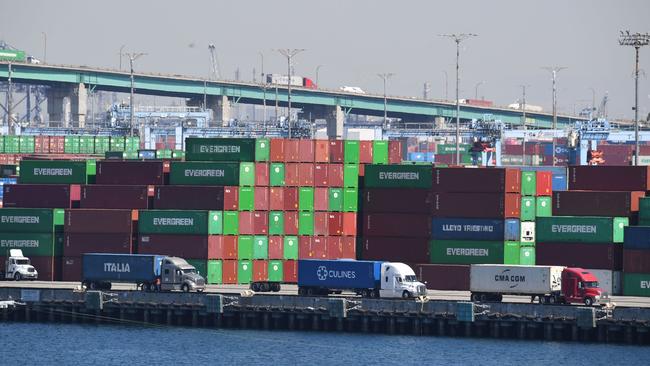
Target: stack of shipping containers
636,254
536,190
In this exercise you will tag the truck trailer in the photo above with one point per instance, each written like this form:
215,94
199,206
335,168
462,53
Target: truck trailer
149,272
548,284
366,278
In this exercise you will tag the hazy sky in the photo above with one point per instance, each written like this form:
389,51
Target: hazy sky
356,39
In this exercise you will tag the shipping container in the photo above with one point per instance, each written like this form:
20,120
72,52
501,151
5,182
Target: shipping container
219,149
583,255
528,183
306,174
527,256
246,198
396,225
350,199
543,206
260,271
55,171
407,250
260,247
276,247
321,199
229,275
40,195
398,176
349,223
261,199
291,150
379,152
336,151
305,223
204,173
245,245
291,223
366,274
527,208
335,175
246,223
130,172
230,223
351,175
321,175
189,198
230,198
537,280
476,205
637,237
228,249
185,222
320,223
114,196
306,150
609,178
585,229
292,174
290,271
32,220
246,174
396,200
262,149
468,252
488,180
475,229
290,247
335,199
290,198
77,244
277,150
32,244
215,272
543,183
48,268
636,284
276,174
260,223
596,203
321,151
93,221
276,198
245,272
262,174
443,276
636,260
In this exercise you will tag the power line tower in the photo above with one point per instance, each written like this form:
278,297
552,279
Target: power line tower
214,61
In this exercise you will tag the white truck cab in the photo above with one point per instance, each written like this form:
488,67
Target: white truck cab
399,280
19,267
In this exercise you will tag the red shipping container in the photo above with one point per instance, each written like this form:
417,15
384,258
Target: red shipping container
230,198
38,195
609,178
229,272
127,172
449,277
362,170
184,246
320,175
304,247
395,152
277,150
290,271
336,151
476,180
306,150
335,175
348,247
365,152
262,174
477,205
290,198
320,223
188,198
322,151
306,174
70,269
321,199
349,223
262,200
335,223
636,261
544,183
276,198
397,200
76,244
260,271
260,223
114,196
228,248
166,166
276,247
334,249
291,223
292,150
398,249
246,223
57,144
94,221
397,225
583,255
291,174
596,203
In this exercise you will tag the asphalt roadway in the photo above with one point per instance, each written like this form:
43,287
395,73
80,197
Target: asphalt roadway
620,301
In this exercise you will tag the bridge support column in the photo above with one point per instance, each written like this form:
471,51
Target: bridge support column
334,116
79,104
55,110
221,110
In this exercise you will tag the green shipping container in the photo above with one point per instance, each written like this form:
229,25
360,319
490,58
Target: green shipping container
54,172
164,154
380,152
71,145
26,144
335,199
132,144
246,199
262,150
636,284
306,223
182,222
261,247
131,155
178,154
2,144
102,144
276,223
117,143
290,249
230,223
12,144
204,173
447,149
86,144
219,149
398,176
245,272
32,244
245,247
276,174
201,266
466,252
350,199
276,273
511,252
527,209
527,256
215,272
12,55
582,229
31,220
351,175
528,183
247,174
644,208
306,199
351,152
543,207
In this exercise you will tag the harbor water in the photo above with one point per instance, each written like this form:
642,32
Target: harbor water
66,344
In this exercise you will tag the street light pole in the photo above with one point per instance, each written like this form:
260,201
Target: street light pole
132,57
458,38
476,88
44,47
262,64
446,85
289,54
317,70
554,70
636,40
385,76
10,101
522,105
593,102
121,53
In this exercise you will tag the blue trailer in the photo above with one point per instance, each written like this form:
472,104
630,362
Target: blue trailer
148,272
366,278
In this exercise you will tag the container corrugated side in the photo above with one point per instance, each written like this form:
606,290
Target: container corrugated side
179,222
584,229
219,149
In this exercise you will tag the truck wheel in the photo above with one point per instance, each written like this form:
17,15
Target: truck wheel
153,287
474,297
17,276
185,287
92,285
144,287
373,294
483,298
551,300
310,292
301,291
264,287
255,287
406,295
275,287
589,301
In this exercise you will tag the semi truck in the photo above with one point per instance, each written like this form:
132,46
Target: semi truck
283,80
149,272
18,267
547,284
372,279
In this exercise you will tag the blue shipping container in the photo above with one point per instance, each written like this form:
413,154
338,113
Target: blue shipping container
430,157
135,268
339,274
475,229
559,180
637,237
416,156
147,154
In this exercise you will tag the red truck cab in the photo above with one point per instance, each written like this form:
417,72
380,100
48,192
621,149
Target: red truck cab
580,286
